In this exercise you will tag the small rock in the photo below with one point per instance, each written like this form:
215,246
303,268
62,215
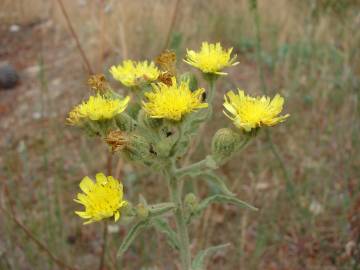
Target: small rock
8,76
14,28
316,208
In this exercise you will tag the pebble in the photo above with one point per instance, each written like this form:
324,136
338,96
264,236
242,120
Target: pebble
8,76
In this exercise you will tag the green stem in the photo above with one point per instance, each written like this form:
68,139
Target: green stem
175,188
202,164
210,95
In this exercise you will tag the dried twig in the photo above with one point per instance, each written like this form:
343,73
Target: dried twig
172,24
74,35
38,242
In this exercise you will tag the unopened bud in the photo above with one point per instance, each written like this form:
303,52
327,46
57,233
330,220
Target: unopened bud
149,122
137,148
133,109
125,123
99,128
91,129
142,211
224,144
191,201
189,77
163,148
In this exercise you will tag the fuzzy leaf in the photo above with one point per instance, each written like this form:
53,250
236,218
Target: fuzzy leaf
164,227
223,199
160,208
215,180
131,235
198,263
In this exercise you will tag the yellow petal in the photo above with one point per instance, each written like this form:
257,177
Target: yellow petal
117,216
101,178
86,185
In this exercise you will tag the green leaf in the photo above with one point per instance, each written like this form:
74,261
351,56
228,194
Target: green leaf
223,199
164,227
131,235
161,208
198,263
215,180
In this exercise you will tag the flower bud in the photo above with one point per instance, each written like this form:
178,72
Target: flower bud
133,109
191,201
224,144
125,123
189,77
142,211
137,148
97,128
91,129
149,122
163,148
129,210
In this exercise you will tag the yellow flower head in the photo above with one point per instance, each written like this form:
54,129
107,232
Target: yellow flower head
131,73
212,58
173,101
250,112
101,199
97,108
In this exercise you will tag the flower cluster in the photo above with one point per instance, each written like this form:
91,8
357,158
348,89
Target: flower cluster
156,130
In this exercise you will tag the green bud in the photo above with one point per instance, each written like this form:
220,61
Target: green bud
125,123
153,123
224,144
137,148
98,128
133,109
128,210
163,148
189,77
91,128
191,201
142,211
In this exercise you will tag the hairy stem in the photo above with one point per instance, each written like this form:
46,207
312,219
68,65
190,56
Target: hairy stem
202,164
210,97
175,188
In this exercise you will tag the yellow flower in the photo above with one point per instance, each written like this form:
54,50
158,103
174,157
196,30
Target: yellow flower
250,112
173,101
101,199
212,58
131,73
97,108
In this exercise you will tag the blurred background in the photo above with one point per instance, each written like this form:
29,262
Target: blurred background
304,176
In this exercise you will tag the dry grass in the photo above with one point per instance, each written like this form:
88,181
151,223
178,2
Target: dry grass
309,52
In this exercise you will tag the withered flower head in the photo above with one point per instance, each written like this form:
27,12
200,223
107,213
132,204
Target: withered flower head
117,140
167,63
98,83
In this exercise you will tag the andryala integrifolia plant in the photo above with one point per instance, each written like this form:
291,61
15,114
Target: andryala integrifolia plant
155,129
